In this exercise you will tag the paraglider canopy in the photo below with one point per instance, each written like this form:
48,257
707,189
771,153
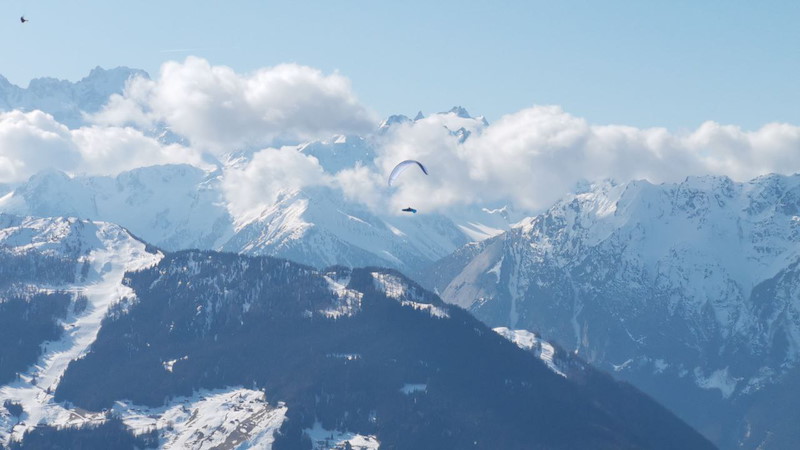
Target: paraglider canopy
400,168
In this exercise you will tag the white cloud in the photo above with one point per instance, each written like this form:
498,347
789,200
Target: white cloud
111,150
527,159
218,109
362,185
34,141
533,157
258,184
727,149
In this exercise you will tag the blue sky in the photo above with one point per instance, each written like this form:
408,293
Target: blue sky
674,64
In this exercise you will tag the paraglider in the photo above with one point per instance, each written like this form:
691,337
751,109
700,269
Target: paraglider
401,167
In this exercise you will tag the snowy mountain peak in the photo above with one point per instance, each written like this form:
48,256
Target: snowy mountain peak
119,72
459,111
46,85
182,207
748,230
51,191
63,237
395,119
173,206
67,101
680,284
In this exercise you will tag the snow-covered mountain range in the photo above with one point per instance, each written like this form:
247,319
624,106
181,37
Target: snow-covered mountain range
66,101
137,351
689,290
184,207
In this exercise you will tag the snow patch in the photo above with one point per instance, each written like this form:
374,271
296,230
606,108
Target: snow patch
409,389
766,376
623,366
345,356
390,285
719,379
232,418
395,230
347,302
496,269
394,287
322,439
355,219
433,310
168,365
526,340
478,232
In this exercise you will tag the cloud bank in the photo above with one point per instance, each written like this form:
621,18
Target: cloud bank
255,186
219,110
526,159
34,141
534,156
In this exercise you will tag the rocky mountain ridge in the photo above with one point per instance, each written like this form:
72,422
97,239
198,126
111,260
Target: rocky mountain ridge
198,349
689,290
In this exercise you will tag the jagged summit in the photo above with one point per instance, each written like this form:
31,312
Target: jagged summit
395,119
459,111
100,72
98,75
65,100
